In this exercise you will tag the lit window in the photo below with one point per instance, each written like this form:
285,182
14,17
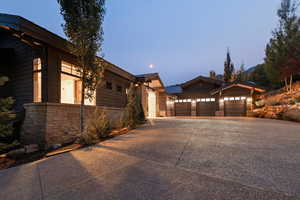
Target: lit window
226,99
207,100
202,100
189,100
69,68
37,80
237,98
212,99
70,89
184,100
198,100
231,98
243,98
180,101
176,101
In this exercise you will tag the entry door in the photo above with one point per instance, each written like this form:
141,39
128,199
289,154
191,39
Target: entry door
151,104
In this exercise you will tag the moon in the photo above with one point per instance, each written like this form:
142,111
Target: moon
151,66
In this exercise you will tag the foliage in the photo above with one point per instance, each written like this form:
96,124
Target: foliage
133,113
241,74
83,27
297,100
99,124
273,101
283,51
259,76
6,120
212,74
228,68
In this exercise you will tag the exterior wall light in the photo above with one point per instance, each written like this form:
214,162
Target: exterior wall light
249,99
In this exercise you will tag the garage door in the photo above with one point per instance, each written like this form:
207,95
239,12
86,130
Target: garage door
183,109
235,108
206,108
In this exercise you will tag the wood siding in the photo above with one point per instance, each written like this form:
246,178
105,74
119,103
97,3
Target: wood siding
21,79
112,97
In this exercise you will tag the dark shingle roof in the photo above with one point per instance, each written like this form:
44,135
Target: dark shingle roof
174,89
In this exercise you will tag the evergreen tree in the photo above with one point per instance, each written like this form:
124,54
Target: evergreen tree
259,76
83,27
6,117
241,75
283,51
228,68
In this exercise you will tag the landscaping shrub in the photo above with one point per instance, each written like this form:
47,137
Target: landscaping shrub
297,100
97,127
7,140
272,101
132,111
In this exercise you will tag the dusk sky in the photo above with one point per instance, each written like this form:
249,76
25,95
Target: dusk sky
181,39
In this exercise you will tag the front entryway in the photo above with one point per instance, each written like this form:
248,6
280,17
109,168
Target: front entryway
151,104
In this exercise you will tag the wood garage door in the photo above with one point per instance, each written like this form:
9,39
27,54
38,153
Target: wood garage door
206,108
183,109
235,108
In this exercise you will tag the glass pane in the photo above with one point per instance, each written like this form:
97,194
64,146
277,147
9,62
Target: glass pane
37,87
70,89
37,64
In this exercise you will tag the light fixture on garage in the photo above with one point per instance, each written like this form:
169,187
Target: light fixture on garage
249,99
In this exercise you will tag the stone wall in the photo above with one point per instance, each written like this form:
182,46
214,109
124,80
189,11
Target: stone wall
50,123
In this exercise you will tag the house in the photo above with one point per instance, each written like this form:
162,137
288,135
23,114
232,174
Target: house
45,84
204,96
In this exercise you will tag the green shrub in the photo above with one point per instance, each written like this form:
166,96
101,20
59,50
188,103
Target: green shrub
130,112
99,125
297,100
292,102
87,138
6,121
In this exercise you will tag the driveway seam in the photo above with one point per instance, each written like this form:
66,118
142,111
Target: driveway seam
40,182
184,148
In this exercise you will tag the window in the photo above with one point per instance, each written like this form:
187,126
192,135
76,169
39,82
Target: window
237,98
119,88
37,80
212,99
71,86
202,100
207,100
109,85
243,98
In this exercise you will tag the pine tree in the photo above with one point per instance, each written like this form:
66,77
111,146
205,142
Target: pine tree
83,27
283,51
228,68
241,76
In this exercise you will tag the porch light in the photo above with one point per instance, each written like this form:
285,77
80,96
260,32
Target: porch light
249,99
221,100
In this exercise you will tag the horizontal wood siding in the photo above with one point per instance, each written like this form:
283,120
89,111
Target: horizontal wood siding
21,79
111,97
236,91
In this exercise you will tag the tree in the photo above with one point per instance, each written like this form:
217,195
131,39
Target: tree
83,27
212,74
259,76
6,117
133,113
228,68
241,75
283,51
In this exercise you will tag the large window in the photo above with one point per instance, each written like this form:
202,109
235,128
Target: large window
71,85
37,80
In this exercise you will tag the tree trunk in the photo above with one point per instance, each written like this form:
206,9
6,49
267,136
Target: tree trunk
291,82
286,85
82,106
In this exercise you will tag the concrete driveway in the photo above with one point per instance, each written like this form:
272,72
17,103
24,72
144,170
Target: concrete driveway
217,158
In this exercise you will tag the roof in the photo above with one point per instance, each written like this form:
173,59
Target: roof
174,89
150,77
25,27
244,84
203,78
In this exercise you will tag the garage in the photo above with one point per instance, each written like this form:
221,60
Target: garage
235,106
183,109
206,107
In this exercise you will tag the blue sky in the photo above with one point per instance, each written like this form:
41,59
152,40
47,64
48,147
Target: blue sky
182,39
